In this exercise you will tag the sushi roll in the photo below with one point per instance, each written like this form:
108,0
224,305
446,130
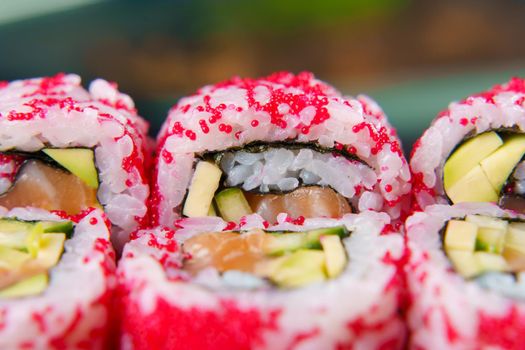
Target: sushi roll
473,151
466,277
63,148
282,144
320,284
57,277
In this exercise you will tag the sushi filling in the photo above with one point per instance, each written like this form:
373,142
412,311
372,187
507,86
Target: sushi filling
490,250
53,179
488,168
28,251
283,259
300,182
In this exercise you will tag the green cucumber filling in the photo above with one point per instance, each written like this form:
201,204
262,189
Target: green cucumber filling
28,251
285,259
479,245
488,167
270,180
54,179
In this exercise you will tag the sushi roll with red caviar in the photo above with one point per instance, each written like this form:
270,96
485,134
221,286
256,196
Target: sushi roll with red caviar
466,277
63,148
473,151
57,276
283,144
319,284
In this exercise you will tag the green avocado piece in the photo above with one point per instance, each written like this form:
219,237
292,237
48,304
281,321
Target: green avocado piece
312,239
51,248
58,227
12,259
472,187
14,233
204,183
460,235
490,240
30,286
335,255
79,161
499,165
9,225
468,155
302,267
491,262
465,263
33,240
232,204
280,243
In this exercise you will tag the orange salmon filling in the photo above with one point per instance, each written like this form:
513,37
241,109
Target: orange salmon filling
309,202
44,186
225,251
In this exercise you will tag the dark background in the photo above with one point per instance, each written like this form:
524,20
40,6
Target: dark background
413,57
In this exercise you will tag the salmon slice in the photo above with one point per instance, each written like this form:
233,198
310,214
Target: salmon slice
309,202
44,186
225,251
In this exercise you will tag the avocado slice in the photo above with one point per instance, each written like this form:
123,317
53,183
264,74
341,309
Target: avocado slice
14,233
33,240
232,204
280,243
499,165
204,183
51,248
30,286
465,263
12,259
313,236
79,161
472,187
335,255
58,227
490,240
460,235
8,225
468,155
302,267
212,211
491,262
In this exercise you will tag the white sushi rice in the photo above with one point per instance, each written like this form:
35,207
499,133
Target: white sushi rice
281,169
76,285
440,297
359,293
446,132
123,194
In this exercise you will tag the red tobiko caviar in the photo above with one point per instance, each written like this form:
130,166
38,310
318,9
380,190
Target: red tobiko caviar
190,134
168,157
230,226
93,221
204,127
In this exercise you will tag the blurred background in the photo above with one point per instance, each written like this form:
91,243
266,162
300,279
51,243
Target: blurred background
413,57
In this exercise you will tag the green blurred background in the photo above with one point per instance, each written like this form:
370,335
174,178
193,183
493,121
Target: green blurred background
413,57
